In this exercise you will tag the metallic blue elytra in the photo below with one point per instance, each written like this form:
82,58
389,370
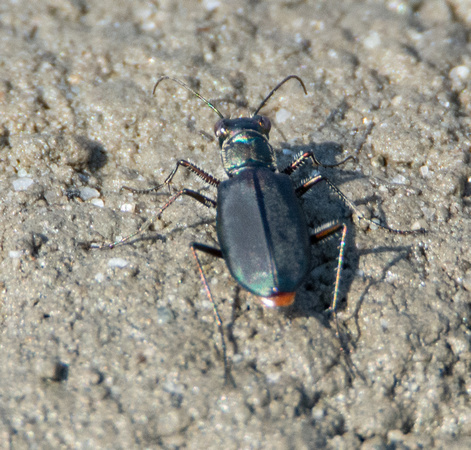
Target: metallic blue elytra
262,232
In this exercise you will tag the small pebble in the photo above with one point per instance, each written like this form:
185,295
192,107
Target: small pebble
121,263
21,184
86,193
282,115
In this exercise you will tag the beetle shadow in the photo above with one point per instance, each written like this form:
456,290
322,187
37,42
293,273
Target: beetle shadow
404,253
323,207
150,235
314,297
97,155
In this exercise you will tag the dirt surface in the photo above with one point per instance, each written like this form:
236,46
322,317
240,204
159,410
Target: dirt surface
118,348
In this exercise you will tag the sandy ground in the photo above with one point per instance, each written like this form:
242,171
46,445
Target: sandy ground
118,348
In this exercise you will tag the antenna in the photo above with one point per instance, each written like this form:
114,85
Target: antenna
188,88
276,88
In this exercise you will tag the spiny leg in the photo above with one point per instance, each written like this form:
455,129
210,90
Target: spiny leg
196,195
206,177
361,216
324,233
319,236
301,190
302,158
328,231
195,246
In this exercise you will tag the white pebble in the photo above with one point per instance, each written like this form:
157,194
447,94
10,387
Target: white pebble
15,253
373,40
97,202
282,115
128,207
459,73
21,184
399,179
99,277
86,193
211,5
121,263
424,171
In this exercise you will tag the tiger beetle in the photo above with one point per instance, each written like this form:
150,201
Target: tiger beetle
261,228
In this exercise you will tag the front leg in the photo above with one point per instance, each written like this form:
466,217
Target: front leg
302,158
206,177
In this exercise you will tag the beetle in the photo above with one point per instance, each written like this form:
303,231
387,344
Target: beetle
261,227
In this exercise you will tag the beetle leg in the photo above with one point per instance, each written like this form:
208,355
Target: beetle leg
319,236
195,246
206,177
301,190
325,233
301,159
206,201
207,249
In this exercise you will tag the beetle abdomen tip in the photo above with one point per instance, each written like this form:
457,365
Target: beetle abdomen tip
279,300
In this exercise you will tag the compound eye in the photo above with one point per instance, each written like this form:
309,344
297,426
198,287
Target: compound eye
220,128
264,123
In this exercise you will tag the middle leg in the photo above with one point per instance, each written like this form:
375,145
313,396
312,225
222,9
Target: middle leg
206,201
195,247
